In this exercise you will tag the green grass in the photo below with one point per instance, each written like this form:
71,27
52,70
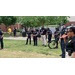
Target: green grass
52,25
18,49
7,35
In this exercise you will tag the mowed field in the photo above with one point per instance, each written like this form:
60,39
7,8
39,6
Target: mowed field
18,49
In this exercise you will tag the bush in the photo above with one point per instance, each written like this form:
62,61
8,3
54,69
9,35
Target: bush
17,30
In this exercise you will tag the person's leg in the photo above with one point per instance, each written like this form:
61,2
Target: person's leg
27,41
49,39
56,44
30,40
14,34
1,43
9,34
63,49
44,40
36,41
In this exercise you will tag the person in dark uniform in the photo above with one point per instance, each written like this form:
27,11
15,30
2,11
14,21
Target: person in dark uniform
34,34
63,31
49,33
70,43
28,36
1,38
14,31
56,35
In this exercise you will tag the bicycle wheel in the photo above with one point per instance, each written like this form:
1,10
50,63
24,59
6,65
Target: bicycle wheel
52,44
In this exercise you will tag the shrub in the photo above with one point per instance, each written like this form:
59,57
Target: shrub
17,30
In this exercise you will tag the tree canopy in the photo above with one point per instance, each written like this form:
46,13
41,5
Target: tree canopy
8,20
33,21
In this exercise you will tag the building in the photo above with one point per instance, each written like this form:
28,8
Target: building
17,25
70,24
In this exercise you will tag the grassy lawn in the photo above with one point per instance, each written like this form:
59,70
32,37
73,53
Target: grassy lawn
52,25
7,34
18,49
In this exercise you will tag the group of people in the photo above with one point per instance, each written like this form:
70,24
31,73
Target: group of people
10,31
65,36
15,30
41,33
67,41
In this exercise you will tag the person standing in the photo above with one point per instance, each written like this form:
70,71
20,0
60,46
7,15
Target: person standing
34,34
23,32
1,38
56,35
63,31
28,36
43,35
49,32
10,32
70,43
14,31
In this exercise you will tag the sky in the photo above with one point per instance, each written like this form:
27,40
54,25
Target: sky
72,18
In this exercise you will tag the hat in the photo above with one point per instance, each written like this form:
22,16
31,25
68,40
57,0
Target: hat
63,24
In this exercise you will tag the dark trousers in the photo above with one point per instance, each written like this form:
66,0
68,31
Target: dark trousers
1,40
35,40
49,38
14,33
27,40
63,48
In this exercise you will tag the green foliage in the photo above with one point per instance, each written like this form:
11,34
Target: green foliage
17,30
35,21
8,20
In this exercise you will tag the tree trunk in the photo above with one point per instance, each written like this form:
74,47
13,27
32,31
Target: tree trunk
42,23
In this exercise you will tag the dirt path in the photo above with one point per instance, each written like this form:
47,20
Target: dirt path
16,38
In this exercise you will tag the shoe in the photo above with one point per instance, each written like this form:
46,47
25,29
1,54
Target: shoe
43,45
33,45
60,55
1,48
56,47
25,44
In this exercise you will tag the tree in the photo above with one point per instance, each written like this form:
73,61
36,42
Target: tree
8,20
35,21
62,19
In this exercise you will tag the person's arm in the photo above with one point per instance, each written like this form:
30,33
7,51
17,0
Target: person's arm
36,34
31,35
27,35
64,37
2,36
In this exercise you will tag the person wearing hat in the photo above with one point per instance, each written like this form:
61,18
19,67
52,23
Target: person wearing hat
49,33
43,35
63,31
56,35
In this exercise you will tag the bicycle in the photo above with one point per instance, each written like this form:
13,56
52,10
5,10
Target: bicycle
52,44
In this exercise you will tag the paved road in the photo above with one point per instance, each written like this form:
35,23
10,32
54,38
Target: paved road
16,38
